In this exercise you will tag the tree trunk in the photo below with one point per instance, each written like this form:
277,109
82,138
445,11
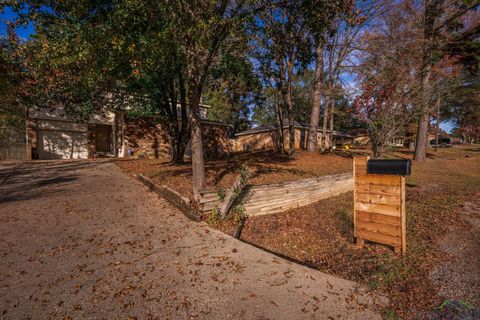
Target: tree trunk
421,142
376,152
312,137
437,127
179,129
198,166
291,123
291,119
184,134
332,113
411,145
291,132
281,145
422,132
195,85
324,125
173,122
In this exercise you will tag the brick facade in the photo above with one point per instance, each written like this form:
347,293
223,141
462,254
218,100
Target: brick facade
216,141
91,140
270,139
146,137
143,137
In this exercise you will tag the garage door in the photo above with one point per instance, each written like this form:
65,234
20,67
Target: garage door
62,140
62,145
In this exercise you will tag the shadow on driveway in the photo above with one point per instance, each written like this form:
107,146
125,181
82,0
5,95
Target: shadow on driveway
32,179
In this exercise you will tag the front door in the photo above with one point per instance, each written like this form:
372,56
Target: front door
102,138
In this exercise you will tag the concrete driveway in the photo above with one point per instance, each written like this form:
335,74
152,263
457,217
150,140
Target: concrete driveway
81,240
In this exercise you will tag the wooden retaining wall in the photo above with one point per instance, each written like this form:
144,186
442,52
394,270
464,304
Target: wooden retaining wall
171,196
279,197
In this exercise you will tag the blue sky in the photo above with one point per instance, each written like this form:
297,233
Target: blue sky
447,126
23,32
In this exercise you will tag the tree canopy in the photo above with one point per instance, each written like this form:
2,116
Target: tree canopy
262,62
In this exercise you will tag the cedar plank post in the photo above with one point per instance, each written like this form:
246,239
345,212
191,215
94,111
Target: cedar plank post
357,161
403,215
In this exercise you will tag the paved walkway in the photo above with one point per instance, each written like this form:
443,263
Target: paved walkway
81,240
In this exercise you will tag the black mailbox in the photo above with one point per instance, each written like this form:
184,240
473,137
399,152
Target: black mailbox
395,167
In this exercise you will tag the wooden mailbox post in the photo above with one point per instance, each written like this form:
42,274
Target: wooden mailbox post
379,207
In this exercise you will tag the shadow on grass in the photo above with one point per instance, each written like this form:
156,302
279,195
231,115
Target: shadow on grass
261,161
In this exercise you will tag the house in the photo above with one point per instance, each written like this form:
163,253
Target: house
268,137
52,135
444,138
147,137
362,138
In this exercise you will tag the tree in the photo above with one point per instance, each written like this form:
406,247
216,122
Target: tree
201,28
302,89
438,18
232,86
91,53
319,17
335,26
317,98
86,56
282,45
462,107
389,65
403,44
12,79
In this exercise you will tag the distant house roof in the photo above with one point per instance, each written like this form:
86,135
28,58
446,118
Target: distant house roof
297,125
358,132
258,129
200,105
217,123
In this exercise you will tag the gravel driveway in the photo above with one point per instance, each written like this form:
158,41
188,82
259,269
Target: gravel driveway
81,240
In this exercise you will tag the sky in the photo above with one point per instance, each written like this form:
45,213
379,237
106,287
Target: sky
24,33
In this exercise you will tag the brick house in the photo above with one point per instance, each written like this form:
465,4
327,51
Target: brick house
52,135
147,138
268,137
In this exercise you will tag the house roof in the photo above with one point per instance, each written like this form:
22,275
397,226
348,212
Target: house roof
217,123
297,125
200,105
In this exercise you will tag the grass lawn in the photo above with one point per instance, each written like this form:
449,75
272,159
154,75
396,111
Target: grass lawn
321,234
